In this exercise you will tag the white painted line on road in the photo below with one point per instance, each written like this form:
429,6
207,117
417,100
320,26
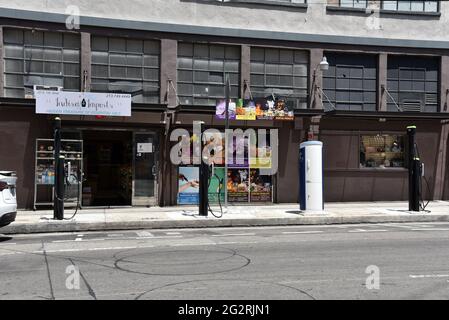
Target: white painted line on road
112,235
145,234
302,232
90,249
79,240
161,237
10,253
363,230
233,234
431,229
429,276
9,244
192,244
172,233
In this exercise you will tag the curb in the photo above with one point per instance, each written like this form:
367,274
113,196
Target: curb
62,226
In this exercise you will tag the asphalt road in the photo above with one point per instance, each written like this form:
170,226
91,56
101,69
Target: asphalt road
298,262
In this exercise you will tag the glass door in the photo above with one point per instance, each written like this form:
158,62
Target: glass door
145,166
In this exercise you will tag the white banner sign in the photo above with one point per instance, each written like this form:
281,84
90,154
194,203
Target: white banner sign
83,103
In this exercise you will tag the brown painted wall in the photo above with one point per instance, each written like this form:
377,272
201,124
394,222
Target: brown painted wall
19,128
345,181
287,186
446,179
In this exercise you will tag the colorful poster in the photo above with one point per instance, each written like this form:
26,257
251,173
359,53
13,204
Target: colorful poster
245,110
214,146
217,186
283,110
188,185
261,187
238,185
264,109
220,110
262,159
240,150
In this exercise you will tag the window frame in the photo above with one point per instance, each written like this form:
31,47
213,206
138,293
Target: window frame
195,83
397,79
353,4
27,59
401,11
126,53
336,88
302,94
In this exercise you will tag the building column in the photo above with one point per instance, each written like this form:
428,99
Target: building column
169,58
167,172
2,78
245,70
315,79
86,59
441,170
444,84
382,67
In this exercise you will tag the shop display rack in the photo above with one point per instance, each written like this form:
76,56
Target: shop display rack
44,176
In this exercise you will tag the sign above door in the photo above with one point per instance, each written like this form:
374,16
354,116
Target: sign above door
82,103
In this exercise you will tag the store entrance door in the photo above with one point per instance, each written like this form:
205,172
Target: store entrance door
107,168
145,166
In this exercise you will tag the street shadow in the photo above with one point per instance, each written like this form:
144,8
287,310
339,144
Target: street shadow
399,210
294,212
5,238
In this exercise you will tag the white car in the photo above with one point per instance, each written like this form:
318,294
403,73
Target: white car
8,202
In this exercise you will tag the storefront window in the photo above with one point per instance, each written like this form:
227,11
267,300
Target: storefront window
126,66
201,72
382,151
40,58
246,180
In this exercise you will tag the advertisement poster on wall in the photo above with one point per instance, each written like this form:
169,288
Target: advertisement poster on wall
240,152
261,187
264,109
245,110
220,111
214,143
217,186
283,110
238,185
188,185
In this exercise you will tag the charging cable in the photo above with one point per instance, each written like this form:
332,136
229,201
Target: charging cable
422,204
220,187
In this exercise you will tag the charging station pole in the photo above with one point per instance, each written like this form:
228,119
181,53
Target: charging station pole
204,180
413,171
58,202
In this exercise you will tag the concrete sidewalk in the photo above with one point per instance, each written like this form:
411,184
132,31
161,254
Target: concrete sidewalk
241,216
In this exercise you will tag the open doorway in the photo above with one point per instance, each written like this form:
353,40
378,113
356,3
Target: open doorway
107,168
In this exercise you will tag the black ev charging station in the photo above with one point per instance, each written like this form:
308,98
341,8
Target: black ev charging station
204,178
58,203
62,175
414,171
